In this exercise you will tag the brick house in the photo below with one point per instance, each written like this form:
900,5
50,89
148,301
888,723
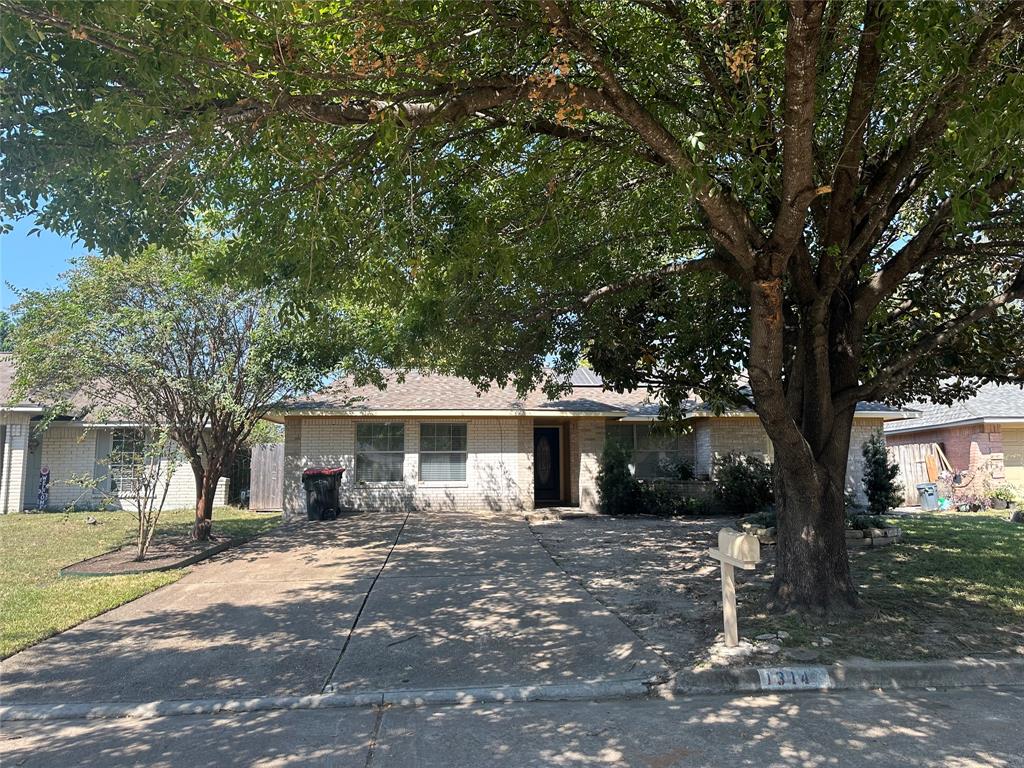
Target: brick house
72,447
433,441
984,434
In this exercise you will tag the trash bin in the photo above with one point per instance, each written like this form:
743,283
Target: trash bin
928,495
321,487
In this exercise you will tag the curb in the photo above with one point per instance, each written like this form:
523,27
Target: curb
602,689
854,675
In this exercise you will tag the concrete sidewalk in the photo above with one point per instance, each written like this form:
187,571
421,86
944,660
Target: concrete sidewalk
463,600
950,728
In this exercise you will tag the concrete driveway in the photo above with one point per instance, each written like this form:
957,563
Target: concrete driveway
374,601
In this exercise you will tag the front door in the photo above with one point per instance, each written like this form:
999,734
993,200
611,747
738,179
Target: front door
547,478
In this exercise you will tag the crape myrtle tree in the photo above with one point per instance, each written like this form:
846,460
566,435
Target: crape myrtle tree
793,206
150,341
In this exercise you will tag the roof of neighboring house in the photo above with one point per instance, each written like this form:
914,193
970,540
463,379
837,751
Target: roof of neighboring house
449,395
82,408
993,402
7,371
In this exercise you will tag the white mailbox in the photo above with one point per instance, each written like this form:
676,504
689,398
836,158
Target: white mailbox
735,550
742,548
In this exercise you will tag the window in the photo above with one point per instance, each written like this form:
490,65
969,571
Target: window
656,452
443,452
380,453
125,460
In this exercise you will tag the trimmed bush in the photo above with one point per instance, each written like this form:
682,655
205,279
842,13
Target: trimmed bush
743,484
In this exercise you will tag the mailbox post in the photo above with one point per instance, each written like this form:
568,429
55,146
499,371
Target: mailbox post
735,550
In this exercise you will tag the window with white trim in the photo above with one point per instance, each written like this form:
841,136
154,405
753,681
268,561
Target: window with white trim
656,452
443,453
380,452
127,447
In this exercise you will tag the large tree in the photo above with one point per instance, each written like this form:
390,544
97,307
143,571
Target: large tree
149,341
797,206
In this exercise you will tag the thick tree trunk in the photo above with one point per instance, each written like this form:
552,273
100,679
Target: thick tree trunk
812,571
793,394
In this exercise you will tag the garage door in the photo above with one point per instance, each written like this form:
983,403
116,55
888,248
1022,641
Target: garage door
1013,455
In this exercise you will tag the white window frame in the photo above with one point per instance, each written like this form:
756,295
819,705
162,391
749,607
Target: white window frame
464,482
356,452
119,470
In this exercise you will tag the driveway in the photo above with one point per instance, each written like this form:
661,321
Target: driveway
370,602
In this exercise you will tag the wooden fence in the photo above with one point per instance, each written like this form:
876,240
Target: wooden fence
266,479
919,463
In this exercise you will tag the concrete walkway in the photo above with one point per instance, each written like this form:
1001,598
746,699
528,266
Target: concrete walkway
854,730
370,602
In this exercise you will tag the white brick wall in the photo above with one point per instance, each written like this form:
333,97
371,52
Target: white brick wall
498,471
70,451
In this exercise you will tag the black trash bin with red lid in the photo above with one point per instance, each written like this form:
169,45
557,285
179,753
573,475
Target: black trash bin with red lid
322,492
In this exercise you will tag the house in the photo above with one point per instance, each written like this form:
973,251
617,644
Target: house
73,448
433,441
983,435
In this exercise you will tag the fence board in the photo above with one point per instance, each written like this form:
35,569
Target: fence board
913,460
266,483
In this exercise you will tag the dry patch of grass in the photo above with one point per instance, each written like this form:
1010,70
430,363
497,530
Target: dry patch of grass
35,602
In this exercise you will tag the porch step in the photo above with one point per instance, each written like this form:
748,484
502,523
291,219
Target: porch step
549,514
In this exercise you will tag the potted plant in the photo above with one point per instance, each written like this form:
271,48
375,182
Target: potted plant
1004,496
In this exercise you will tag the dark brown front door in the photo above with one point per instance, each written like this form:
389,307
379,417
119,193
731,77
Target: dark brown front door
547,480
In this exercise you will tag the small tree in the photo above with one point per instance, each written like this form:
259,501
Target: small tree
152,342
153,459
618,492
880,485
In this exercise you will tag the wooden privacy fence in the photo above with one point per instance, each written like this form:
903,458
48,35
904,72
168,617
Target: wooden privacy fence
266,479
919,463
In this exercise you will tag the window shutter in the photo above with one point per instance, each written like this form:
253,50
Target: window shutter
101,470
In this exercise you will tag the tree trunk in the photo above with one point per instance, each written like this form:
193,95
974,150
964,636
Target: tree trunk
794,399
812,571
206,490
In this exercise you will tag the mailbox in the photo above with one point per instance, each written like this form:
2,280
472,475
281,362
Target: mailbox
735,550
742,547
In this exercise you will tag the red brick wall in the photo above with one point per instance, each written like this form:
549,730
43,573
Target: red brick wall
972,446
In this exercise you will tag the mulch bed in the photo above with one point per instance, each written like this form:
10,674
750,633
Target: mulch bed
164,554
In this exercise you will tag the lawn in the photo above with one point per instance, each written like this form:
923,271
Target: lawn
953,587
36,603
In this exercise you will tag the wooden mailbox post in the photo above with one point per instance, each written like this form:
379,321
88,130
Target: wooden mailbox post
735,550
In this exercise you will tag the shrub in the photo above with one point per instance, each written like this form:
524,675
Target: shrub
743,484
664,500
880,484
1007,493
618,492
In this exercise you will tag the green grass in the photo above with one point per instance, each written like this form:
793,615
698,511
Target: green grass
36,603
954,586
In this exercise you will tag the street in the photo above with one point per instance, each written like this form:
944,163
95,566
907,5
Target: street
942,728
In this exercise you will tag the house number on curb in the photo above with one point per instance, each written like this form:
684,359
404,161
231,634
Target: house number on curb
794,678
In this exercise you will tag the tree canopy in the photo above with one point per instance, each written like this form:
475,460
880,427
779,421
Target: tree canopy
797,205
150,342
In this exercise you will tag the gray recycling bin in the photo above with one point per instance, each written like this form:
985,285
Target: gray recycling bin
322,492
928,496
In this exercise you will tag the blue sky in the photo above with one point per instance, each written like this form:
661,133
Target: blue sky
33,262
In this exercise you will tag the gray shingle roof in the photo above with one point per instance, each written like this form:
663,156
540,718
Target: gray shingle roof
993,402
435,392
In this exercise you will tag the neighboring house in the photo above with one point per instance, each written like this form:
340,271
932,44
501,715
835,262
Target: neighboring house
433,441
72,447
984,434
